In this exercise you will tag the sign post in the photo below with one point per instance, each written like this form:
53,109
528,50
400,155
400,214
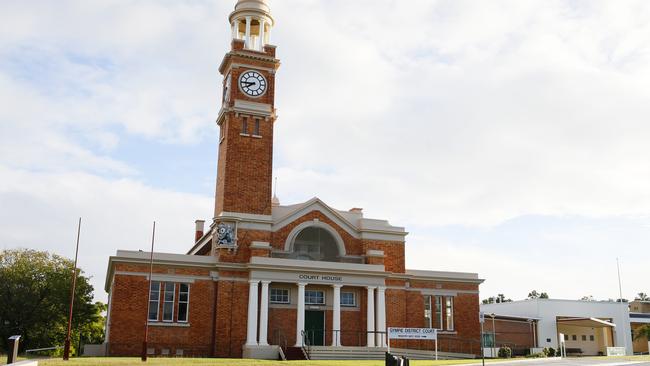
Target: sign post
413,334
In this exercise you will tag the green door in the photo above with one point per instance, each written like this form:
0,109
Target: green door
315,327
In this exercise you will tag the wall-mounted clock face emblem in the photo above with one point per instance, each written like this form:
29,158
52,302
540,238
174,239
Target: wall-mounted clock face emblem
252,83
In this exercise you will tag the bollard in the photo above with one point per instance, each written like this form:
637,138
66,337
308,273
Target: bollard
12,352
391,360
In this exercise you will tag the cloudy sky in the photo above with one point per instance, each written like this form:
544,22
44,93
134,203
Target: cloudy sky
511,138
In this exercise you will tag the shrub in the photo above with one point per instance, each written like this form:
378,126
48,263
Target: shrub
505,352
551,352
536,355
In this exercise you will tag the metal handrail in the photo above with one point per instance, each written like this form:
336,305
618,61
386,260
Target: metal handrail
306,347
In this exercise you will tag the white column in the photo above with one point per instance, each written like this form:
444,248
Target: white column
235,29
300,315
248,32
371,316
261,37
336,316
264,313
251,334
381,316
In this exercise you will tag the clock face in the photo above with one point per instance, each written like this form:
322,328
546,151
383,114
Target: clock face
252,83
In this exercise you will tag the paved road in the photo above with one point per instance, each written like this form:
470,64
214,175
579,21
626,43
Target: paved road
572,362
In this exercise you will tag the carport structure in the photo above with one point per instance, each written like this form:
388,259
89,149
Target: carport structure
595,324
586,336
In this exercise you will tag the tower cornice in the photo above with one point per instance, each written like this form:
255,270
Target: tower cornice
250,56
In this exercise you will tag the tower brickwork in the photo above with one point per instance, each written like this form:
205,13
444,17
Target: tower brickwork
247,115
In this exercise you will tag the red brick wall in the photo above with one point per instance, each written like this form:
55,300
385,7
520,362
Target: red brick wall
282,325
245,167
232,318
394,260
129,309
515,333
245,163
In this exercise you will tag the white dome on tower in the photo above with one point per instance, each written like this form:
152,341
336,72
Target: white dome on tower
252,22
253,5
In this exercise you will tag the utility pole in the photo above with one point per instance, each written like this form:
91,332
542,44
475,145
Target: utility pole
66,346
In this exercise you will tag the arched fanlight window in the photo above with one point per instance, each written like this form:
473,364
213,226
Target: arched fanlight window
316,244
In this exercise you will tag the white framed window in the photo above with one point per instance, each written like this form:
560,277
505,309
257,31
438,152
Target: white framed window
168,302
183,302
348,298
279,295
428,318
438,308
154,300
449,304
314,297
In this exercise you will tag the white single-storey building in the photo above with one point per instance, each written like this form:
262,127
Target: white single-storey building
589,327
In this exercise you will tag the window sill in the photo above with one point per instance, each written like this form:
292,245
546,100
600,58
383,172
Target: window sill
452,332
244,134
256,136
169,324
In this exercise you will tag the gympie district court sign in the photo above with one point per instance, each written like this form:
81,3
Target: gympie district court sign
413,333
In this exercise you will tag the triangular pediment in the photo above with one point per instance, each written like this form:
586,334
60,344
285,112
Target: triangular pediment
285,215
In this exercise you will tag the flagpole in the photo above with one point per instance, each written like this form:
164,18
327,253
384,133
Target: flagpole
66,347
620,296
146,320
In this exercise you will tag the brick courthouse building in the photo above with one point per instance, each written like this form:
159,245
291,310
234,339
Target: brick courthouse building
265,275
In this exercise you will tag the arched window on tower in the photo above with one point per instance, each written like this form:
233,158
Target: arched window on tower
316,244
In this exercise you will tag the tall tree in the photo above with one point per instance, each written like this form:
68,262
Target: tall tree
496,299
642,296
34,299
536,295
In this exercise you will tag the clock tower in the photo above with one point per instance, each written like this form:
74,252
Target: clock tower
247,114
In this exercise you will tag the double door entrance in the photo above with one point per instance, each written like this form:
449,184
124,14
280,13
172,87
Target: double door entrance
315,327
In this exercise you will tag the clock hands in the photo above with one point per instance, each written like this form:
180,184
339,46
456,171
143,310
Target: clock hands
247,83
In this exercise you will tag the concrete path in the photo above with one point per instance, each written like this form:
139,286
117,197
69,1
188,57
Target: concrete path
568,362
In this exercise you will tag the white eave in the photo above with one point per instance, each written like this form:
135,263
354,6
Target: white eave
443,276
130,256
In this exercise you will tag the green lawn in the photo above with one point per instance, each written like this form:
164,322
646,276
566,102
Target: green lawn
118,361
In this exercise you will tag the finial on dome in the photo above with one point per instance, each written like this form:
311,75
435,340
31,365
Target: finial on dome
275,201
252,22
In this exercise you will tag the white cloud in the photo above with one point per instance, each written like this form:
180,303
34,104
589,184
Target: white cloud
40,211
429,113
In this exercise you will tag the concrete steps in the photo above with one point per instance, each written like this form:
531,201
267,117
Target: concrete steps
377,353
